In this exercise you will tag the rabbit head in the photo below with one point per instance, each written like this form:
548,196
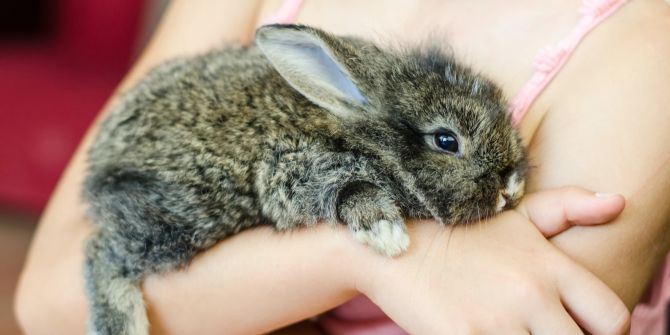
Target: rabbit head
439,128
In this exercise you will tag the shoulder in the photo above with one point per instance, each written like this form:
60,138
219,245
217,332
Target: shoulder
610,103
621,67
634,49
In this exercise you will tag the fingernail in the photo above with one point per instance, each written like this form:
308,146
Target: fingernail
605,195
622,324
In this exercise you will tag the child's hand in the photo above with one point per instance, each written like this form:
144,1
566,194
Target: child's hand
501,276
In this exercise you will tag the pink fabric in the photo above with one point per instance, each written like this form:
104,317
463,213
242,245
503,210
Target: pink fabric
649,316
360,316
551,59
288,12
52,87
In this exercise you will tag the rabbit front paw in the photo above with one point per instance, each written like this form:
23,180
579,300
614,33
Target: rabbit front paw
374,219
387,237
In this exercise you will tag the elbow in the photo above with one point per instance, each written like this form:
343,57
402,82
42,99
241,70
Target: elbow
43,306
25,307
30,303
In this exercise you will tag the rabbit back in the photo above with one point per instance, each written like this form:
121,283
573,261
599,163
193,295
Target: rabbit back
176,165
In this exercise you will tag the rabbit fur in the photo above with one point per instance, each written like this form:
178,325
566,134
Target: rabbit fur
302,127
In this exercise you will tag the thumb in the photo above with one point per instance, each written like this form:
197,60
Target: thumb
553,211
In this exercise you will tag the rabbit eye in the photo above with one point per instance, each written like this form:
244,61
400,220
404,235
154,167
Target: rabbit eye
446,141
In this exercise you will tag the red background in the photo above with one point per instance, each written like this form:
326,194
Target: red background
52,85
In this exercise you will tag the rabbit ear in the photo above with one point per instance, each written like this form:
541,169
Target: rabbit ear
312,63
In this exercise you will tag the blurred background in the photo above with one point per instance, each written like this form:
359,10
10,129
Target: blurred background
59,62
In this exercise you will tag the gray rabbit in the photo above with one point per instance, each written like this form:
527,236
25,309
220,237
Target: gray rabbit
300,128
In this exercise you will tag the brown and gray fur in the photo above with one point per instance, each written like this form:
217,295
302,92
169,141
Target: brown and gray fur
300,128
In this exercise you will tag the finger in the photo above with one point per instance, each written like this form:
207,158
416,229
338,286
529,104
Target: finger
556,210
553,320
593,305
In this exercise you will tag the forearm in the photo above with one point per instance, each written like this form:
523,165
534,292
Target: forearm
256,281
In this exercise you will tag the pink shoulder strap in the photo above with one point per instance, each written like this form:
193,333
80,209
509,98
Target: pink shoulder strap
551,59
288,12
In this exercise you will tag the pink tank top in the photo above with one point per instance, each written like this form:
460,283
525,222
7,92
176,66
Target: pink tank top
360,316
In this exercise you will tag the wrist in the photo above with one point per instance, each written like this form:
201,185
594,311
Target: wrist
346,261
372,272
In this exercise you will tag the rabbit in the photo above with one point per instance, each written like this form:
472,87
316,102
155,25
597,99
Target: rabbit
299,128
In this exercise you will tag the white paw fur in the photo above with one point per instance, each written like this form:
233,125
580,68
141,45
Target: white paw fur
386,237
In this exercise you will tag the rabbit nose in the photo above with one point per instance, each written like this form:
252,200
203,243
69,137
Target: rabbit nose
511,192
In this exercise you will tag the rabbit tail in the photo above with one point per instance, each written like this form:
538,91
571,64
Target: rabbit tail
117,306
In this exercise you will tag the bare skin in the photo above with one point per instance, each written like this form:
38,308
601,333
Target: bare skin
600,125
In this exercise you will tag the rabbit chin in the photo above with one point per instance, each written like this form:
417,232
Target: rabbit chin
482,211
